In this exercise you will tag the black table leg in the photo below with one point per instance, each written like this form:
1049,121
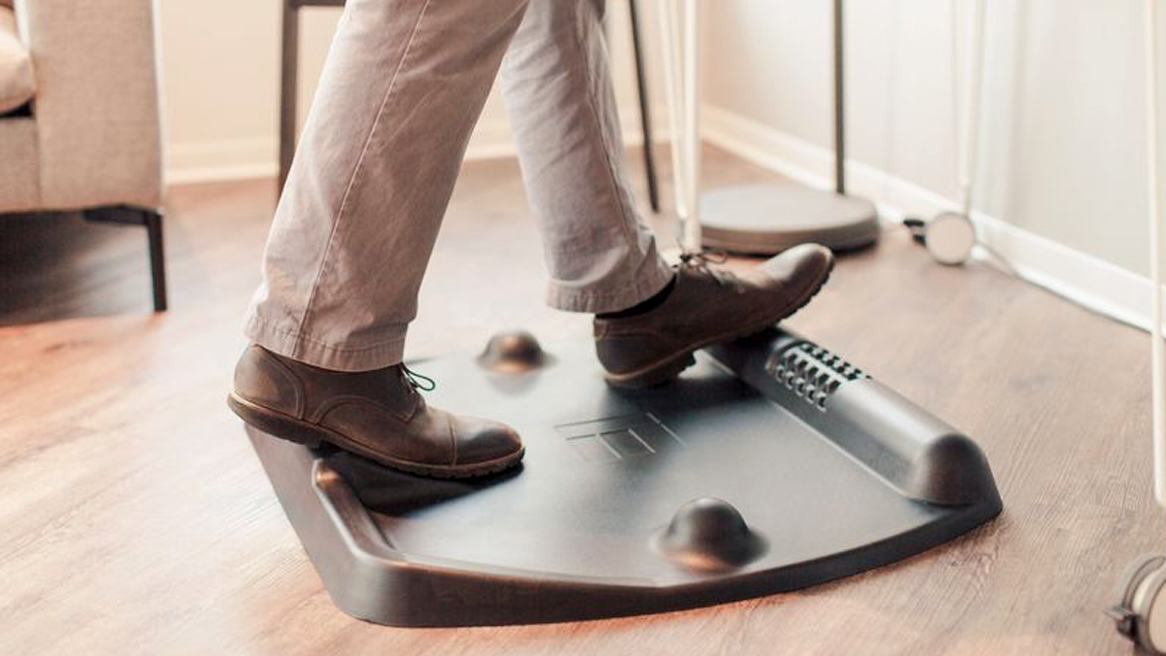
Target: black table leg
289,65
645,108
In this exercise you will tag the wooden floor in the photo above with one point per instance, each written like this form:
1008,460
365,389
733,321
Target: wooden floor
134,517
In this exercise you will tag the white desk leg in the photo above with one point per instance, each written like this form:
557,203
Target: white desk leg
680,33
1154,199
669,39
692,229
1144,588
970,130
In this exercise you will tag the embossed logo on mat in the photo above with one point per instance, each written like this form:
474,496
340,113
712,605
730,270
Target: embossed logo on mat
616,438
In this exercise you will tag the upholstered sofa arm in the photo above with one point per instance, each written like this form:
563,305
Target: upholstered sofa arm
97,101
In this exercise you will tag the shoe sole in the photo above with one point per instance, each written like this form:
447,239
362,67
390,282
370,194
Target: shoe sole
289,428
671,366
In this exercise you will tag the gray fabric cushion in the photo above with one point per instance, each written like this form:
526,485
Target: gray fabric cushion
19,165
96,107
17,85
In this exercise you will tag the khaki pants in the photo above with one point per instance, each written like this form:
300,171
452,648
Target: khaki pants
401,91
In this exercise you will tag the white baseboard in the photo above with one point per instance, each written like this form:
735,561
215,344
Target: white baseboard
257,157
1079,277
221,159
242,159
1087,280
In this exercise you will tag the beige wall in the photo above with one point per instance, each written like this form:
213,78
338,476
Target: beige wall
221,79
1062,148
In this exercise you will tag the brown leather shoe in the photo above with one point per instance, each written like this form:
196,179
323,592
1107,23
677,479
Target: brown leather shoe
377,414
707,306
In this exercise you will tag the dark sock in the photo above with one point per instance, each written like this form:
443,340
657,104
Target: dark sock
644,306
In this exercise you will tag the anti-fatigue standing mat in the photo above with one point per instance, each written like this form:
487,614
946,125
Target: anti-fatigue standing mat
769,466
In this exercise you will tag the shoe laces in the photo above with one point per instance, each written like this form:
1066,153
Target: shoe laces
418,381
699,262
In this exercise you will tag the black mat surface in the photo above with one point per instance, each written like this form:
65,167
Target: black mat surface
589,527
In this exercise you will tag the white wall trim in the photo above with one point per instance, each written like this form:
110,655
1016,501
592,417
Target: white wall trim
1079,277
246,158
1089,281
256,157
220,159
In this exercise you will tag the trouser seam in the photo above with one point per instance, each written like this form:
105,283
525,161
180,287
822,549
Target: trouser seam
356,172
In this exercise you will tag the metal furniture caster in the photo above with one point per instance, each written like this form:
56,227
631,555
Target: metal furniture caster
1141,613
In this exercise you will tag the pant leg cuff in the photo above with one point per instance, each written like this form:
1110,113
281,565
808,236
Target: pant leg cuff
336,357
598,301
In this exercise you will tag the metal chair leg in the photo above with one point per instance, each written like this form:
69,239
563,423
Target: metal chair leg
153,222
151,219
289,70
645,108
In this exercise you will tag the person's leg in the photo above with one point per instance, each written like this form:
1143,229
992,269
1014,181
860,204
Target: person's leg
403,86
401,91
603,259
601,255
